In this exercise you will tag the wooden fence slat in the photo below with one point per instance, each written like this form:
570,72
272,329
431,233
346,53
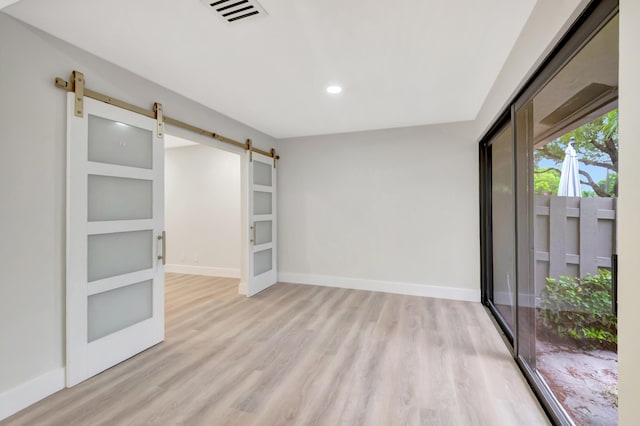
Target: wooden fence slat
588,236
542,211
542,255
573,212
571,259
557,244
606,214
603,262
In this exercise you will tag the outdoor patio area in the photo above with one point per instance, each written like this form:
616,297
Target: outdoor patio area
585,382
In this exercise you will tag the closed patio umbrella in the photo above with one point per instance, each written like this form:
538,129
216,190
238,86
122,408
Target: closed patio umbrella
570,175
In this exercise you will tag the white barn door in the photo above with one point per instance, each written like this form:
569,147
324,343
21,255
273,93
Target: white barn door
263,271
115,219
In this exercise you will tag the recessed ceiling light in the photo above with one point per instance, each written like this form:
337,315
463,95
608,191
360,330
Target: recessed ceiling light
334,90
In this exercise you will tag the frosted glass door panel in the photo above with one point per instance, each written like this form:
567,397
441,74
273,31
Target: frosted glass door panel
115,198
262,173
263,232
262,261
119,253
261,202
117,309
117,143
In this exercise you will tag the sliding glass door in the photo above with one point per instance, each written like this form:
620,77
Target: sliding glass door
550,189
501,221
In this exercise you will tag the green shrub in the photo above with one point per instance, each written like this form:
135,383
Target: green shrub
580,308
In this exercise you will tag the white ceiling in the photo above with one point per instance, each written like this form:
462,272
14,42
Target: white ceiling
401,63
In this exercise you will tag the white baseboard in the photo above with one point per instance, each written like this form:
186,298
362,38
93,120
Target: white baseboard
22,396
410,289
242,288
210,271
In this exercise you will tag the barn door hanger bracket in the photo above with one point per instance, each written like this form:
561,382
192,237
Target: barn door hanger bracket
250,149
157,108
275,157
77,86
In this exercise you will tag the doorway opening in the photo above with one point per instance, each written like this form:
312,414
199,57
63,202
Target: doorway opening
203,210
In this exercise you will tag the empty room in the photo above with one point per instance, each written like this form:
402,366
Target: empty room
262,212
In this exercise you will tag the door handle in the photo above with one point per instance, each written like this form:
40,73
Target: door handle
163,256
253,235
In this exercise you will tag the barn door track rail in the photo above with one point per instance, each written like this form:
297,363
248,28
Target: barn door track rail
76,84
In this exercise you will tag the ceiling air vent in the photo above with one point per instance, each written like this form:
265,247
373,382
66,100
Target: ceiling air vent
236,10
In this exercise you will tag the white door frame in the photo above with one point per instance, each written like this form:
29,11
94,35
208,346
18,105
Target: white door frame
244,194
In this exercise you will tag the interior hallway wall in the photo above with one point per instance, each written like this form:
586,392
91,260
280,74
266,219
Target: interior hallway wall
391,210
202,211
32,190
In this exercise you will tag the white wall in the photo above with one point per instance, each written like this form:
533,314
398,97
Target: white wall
628,213
202,211
32,188
392,210
378,210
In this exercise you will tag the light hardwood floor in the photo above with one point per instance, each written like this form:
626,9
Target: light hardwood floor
304,355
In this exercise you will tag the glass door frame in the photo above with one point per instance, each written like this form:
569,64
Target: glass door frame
595,16
486,249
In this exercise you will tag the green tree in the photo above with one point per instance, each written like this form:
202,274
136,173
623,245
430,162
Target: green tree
546,181
608,185
611,186
596,144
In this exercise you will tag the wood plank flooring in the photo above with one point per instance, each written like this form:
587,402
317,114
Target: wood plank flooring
304,355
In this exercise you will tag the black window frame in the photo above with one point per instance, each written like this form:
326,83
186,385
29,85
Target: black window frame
595,16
